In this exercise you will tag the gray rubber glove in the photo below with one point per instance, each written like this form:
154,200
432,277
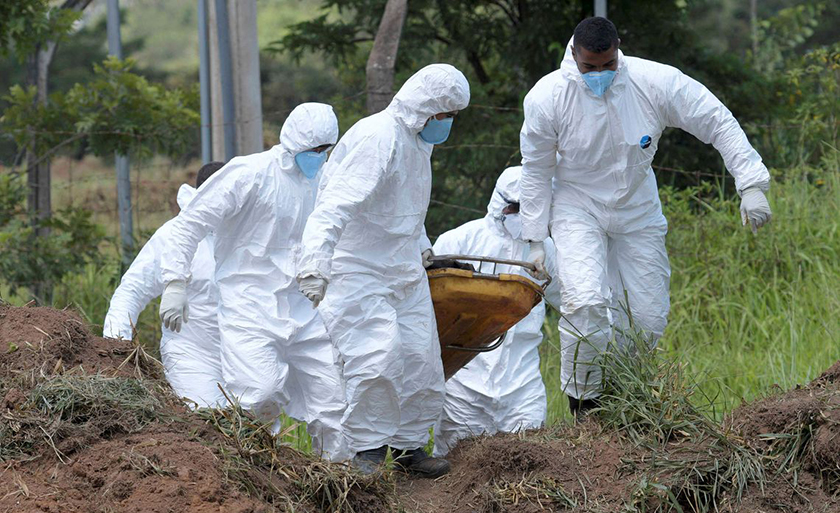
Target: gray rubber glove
754,209
426,257
314,287
174,310
536,255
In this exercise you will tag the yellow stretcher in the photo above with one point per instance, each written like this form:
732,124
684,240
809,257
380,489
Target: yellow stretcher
474,310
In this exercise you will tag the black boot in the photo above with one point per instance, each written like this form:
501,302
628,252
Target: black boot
582,407
370,461
418,463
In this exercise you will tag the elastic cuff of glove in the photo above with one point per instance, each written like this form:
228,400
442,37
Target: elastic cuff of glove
176,283
763,187
311,274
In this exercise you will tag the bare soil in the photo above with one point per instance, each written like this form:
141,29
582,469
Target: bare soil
178,462
110,462
48,341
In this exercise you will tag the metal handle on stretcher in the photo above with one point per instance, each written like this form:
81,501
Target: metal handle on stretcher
527,265
484,349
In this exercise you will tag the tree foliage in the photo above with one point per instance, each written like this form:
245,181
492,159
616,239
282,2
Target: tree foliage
117,111
24,24
114,110
25,259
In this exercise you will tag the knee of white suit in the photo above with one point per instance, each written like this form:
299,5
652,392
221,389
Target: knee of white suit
266,403
592,321
328,440
585,334
644,323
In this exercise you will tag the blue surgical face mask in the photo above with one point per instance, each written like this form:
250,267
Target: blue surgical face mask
310,162
436,130
599,81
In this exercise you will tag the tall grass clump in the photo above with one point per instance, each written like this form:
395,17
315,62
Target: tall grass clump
688,459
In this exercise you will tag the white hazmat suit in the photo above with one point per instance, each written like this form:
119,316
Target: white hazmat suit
500,390
603,211
276,354
365,237
191,358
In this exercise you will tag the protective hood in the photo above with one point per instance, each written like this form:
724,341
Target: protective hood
434,89
506,191
308,126
186,193
570,70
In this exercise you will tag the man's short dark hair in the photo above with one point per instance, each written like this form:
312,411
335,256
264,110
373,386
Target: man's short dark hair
206,172
596,34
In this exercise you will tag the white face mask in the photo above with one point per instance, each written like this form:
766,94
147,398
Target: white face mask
513,225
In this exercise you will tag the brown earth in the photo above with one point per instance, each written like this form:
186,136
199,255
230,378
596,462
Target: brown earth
47,341
810,417
529,472
167,459
110,461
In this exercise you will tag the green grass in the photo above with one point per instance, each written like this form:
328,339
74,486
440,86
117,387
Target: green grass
749,311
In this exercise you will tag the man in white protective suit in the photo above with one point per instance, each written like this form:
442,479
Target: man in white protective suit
276,354
191,358
604,113
501,390
365,240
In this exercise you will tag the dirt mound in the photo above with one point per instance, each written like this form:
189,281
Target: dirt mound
782,495
799,433
88,425
534,471
46,341
832,375
156,471
792,437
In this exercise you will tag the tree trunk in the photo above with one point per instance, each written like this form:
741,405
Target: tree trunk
383,56
39,198
38,175
39,203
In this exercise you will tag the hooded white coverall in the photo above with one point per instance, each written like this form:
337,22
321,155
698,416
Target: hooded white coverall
365,236
603,211
276,354
501,390
191,358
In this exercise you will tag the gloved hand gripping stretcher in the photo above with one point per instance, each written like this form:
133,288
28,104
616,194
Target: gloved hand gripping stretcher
474,310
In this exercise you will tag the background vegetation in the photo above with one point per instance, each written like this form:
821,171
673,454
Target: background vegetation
747,312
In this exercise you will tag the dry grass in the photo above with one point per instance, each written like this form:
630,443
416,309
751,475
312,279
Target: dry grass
267,468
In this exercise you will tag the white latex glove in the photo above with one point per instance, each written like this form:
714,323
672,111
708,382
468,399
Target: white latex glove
313,287
426,257
536,255
174,310
754,208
